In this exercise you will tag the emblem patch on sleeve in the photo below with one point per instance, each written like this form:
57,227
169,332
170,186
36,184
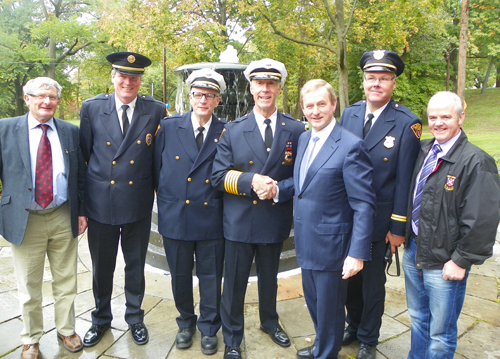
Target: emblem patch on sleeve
450,183
417,130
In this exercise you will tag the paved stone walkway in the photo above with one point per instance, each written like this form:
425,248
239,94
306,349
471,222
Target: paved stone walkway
479,324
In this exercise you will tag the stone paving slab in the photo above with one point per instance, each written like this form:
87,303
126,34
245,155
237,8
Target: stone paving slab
478,326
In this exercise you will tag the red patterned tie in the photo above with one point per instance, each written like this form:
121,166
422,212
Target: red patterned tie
43,177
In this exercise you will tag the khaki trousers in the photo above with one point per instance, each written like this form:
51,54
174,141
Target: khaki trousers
47,233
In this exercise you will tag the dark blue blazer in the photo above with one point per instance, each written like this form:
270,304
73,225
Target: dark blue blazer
189,208
334,209
15,174
241,147
119,181
393,143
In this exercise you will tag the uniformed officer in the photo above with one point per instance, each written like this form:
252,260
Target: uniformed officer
190,209
253,152
392,135
117,133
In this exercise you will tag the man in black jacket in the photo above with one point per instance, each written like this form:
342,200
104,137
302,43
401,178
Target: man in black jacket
453,206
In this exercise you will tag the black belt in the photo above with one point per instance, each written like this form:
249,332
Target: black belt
415,237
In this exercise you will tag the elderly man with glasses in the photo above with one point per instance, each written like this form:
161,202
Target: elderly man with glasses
42,172
190,209
392,134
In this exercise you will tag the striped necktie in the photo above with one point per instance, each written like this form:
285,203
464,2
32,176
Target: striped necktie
427,169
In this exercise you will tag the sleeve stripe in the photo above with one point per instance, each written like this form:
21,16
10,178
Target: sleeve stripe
398,218
231,182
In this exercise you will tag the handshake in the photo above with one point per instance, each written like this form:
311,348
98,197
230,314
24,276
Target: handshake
264,186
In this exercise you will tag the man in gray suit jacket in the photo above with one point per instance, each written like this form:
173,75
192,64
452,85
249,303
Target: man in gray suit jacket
42,172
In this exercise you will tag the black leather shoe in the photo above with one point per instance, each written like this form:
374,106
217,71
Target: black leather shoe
367,351
139,333
306,353
349,337
209,345
232,353
184,337
278,336
94,334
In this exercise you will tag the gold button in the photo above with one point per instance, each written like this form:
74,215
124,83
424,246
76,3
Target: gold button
139,142
243,194
386,159
112,182
189,179
418,265
206,203
273,204
207,181
176,157
254,201
131,183
108,143
251,162
132,162
187,201
113,163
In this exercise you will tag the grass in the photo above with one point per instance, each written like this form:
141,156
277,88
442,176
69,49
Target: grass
482,121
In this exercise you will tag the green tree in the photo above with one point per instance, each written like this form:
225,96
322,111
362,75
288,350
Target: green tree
484,30
40,38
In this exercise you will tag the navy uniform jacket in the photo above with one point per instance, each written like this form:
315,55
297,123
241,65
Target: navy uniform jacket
393,143
15,174
240,154
334,209
189,208
119,181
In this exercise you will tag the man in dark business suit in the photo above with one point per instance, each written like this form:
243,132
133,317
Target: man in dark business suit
392,135
42,172
190,209
334,206
253,152
117,133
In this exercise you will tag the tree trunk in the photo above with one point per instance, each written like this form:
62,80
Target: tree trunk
485,82
497,84
285,99
462,49
19,98
343,101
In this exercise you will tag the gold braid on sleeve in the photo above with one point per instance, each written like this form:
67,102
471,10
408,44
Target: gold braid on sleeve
231,182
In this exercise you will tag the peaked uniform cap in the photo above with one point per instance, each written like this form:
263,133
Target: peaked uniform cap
128,63
382,60
206,78
266,69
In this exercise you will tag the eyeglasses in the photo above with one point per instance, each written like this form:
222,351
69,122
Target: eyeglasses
199,95
381,80
43,97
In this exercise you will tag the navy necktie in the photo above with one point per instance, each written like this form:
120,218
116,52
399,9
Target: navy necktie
199,137
268,135
368,124
125,122
427,169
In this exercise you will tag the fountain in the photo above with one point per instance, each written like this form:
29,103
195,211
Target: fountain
236,102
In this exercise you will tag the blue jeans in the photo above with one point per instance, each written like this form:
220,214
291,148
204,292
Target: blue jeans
434,305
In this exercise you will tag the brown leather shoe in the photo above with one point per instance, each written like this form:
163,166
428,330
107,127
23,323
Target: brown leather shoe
72,343
31,351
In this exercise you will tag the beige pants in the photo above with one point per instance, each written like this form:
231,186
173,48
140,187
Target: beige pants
48,232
